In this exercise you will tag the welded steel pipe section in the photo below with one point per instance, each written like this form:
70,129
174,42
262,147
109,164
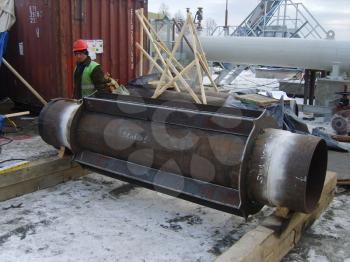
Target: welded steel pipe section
228,159
283,52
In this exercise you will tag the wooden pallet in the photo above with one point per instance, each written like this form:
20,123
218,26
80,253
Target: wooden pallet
38,175
278,235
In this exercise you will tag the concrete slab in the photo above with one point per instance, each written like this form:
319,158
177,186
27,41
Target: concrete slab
326,89
292,87
340,163
276,73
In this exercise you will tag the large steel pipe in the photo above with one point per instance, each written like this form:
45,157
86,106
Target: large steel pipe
283,52
228,159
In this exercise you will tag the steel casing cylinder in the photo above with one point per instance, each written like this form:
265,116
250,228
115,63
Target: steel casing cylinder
214,151
287,170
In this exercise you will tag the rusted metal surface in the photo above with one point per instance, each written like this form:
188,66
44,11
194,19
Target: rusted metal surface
232,160
40,46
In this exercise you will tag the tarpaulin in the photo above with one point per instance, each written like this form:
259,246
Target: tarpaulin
3,40
7,15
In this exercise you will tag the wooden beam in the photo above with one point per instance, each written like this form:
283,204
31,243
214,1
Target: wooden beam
25,83
171,56
161,44
168,53
202,59
207,71
162,78
153,41
265,244
155,64
185,84
38,175
150,37
176,78
198,66
17,114
179,39
185,37
159,68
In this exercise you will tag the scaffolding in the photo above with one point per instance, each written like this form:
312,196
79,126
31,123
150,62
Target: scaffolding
278,18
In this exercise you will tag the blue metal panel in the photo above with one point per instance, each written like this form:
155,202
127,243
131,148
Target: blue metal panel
3,41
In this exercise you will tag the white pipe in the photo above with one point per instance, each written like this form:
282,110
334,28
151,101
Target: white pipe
282,52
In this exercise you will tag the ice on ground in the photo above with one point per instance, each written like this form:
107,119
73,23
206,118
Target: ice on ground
26,147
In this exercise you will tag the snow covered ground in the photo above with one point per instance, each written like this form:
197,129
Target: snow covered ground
101,219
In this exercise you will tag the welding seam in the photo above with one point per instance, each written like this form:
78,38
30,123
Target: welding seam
65,123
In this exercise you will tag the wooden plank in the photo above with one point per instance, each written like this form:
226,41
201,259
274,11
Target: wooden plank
36,169
153,62
62,152
161,43
171,83
39,175
257,99
14,167
344,182
198,67
265,244
184,83
39,183
153,41
344,139
153,84
24,82
201,56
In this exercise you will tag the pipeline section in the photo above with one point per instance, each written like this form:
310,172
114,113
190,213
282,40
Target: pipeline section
232,160
282,52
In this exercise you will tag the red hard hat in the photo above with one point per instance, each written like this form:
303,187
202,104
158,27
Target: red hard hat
80,45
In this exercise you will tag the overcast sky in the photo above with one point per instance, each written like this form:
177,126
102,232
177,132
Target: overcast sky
332,14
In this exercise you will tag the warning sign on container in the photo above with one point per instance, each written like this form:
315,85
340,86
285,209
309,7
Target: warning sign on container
94,47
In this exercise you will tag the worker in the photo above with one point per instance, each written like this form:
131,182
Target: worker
88,75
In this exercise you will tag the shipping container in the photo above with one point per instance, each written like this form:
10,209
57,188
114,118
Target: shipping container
40,44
